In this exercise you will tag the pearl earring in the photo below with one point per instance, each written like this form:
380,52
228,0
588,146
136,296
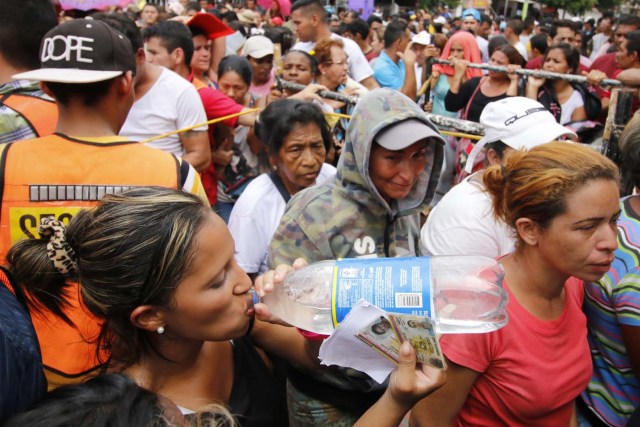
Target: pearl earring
160,330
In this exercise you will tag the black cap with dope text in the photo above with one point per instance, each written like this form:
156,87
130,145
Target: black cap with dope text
82,51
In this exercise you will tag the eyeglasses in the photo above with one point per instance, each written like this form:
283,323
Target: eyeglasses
339,63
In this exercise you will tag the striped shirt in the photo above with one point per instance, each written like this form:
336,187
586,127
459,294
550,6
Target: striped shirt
13,127
614,300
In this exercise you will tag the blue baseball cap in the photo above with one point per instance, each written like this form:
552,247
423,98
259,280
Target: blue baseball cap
471,12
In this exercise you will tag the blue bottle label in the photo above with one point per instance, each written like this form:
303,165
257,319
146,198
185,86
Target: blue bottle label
398,285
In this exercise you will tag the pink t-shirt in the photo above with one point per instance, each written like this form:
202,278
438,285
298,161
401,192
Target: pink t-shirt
531,370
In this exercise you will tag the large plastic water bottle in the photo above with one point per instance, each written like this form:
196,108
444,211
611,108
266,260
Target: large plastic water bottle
462,294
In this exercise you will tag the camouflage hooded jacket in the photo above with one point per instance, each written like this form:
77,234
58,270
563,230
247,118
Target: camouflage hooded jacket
347,217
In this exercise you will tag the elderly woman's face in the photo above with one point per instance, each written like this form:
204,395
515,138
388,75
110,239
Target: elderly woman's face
336,70
299,160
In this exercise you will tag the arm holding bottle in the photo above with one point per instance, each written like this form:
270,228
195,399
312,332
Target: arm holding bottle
409,383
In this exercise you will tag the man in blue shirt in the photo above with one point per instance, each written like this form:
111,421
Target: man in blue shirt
395,67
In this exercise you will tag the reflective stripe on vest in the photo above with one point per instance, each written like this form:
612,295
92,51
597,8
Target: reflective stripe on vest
40,114
57,176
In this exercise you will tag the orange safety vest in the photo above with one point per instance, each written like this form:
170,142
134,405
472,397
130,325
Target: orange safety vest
40,114
57,176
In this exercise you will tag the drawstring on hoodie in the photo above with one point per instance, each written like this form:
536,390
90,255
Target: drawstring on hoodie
387,233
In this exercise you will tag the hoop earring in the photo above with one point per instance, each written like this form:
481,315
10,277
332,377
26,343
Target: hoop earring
160,330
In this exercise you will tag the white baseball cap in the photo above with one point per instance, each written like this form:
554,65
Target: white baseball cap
258,47
402,134
423,38
518,122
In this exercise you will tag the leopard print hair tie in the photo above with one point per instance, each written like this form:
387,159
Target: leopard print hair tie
58,249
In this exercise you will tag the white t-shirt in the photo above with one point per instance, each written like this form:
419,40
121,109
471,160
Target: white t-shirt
462,223
483,45
255,217
522,50
575,101
359,68
171,103
597,41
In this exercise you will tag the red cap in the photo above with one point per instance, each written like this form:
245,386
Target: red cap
276,20
212,26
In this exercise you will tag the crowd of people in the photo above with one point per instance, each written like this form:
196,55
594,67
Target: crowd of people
162,163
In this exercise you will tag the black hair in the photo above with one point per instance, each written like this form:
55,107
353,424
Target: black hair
237,26
633,43
495,42
498,147
172,35
230,16
281,35
280,117
358,26
529,23
314,6
631,21
562,23
374,18
539,42
485,18
313,64
630,155
570,53
236,63
340,30
394,31
516,25
121,23
194,5
91,93
23,25
145,235
197,31
153,5
511,53
111,399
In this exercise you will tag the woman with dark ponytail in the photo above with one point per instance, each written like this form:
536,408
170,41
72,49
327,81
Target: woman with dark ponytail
562,201
157,268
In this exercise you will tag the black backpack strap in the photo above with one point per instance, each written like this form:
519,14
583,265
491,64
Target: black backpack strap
183,172
280,186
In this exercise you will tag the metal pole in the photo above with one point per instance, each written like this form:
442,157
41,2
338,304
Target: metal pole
535,73
459,124
283,84
620,110
440,121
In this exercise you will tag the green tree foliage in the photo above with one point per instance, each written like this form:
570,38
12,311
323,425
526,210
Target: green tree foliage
432,4
578,7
